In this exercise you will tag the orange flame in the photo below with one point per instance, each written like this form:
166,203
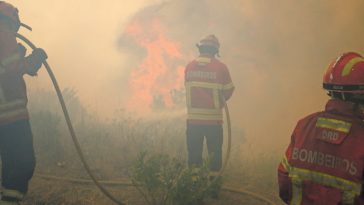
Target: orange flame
152,83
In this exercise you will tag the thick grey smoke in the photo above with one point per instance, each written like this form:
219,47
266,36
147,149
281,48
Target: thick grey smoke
276,51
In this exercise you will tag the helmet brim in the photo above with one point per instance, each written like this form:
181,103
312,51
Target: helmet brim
358,89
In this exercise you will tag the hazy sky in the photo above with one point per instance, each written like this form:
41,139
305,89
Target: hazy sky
277,51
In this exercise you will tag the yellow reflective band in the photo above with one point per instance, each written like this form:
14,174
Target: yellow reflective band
350,189
228,86
11,59
13,104
285,164
7,61
8,203
203,85
204,114
188,95
204,111
216,96
333,124
348,198
216,87
203,60
326,179
204,117
12,194
349,66
296,191
14,113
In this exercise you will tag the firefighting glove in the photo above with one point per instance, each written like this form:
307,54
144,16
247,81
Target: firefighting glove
22,50
36,59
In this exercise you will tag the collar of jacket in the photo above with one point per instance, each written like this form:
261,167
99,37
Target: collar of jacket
206,56
344,108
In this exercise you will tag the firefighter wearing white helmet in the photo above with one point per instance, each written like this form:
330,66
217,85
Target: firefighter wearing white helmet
208,86
209,45
16,145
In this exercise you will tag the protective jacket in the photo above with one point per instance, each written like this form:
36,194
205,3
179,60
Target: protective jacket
324,162
208,85
13,65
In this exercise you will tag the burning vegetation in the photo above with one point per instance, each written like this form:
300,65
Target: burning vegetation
276,57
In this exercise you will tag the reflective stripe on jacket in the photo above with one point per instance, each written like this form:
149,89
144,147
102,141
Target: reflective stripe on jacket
208,85
324,162
13,66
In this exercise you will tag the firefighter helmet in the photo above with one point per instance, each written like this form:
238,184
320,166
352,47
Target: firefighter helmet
10,13
345,74
210,41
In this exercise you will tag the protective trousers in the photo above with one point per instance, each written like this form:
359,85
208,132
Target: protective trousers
214,140
18,160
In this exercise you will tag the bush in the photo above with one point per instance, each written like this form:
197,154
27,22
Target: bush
163,180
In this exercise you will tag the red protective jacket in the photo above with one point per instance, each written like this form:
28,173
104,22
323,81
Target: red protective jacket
13,65
323,164
208,85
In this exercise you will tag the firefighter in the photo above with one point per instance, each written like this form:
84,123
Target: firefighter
324,161
16,146
208,87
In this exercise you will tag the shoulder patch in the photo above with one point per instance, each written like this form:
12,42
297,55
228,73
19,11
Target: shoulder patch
332,130
203,60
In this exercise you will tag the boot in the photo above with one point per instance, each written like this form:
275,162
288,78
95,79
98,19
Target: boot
9,202
11,197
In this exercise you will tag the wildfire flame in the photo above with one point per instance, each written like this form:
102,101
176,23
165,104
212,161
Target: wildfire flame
155,81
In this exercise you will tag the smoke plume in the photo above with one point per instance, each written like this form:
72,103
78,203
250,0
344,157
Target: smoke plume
131,54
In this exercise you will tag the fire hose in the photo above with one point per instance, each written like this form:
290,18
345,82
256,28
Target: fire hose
70,126
126,182
77,145
228,151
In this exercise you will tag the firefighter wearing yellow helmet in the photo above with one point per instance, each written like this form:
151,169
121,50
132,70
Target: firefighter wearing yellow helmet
16,146
208,86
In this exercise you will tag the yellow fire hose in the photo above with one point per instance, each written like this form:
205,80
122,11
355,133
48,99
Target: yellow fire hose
123,182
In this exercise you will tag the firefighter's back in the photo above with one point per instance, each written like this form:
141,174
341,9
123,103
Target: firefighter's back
327,157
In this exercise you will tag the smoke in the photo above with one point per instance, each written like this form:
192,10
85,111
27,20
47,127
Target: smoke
276,52
80,39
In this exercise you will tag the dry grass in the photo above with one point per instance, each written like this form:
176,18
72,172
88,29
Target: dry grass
111,146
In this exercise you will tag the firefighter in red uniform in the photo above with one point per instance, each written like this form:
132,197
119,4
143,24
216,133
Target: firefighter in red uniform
16,145
208,85
324,161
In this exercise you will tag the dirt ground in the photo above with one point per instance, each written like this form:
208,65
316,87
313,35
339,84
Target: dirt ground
122,142
53,192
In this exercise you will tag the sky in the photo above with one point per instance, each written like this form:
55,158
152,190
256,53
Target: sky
130,54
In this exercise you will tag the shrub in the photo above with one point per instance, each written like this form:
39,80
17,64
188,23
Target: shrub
163,180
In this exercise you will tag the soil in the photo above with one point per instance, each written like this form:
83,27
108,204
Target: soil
50,192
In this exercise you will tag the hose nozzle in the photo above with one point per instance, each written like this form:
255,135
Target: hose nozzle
26,26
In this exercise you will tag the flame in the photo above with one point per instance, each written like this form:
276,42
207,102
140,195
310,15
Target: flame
153,83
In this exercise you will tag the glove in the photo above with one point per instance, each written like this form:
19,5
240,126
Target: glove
22,50
37,57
